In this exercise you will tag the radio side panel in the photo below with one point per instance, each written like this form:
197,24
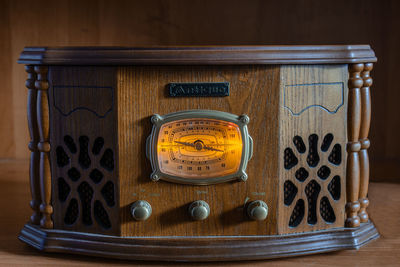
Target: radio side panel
84,154
312,153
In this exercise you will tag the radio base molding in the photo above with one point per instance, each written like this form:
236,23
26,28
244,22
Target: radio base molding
190,249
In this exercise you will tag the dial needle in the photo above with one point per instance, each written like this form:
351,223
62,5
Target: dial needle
194,145
213,149
185,143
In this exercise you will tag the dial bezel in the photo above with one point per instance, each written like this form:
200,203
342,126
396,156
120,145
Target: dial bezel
158,121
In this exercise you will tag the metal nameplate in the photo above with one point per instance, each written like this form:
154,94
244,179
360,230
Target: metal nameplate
198,89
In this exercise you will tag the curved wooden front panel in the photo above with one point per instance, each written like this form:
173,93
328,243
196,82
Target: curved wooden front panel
142,92
100,119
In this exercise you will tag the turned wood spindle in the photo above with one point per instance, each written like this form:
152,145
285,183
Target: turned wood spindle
353,145
34,139
42,86
364,130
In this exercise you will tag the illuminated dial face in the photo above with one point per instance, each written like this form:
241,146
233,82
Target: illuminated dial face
199,148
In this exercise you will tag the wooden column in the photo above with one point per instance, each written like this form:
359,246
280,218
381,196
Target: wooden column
42,86
364,130
33,145
353,145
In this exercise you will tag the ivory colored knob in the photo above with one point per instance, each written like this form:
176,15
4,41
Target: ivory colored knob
199,210
141,210
257,210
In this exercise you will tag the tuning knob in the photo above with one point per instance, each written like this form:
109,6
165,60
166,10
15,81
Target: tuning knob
257,210
141,210
199,210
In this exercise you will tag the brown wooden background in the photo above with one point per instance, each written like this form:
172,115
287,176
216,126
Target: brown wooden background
199,22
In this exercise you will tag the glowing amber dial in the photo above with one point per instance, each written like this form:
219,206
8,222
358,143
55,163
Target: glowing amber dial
199,148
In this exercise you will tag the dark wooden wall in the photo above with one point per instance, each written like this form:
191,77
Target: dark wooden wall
183,22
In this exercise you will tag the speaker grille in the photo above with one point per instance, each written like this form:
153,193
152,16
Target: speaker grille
88,190
313,169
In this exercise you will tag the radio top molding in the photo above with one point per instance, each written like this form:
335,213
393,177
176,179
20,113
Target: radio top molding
198,55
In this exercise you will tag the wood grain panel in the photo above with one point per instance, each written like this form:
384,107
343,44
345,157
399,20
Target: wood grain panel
141,93
315,119
7,146
84,122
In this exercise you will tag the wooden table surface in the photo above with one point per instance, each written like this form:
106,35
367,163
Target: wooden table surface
15,211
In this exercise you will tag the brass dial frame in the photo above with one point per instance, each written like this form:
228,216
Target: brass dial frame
158,121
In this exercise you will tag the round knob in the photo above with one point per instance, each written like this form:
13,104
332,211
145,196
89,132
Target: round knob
257,210
199,210
141,210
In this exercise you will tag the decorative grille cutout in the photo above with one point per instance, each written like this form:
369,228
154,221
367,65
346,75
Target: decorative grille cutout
74,174
63,189
96,176
62,157
289,192
108,193
86,195
107,160
101,215
69,142
299,144
326,182
326,143
312,191
290,159
301,174
87,202
334,187
84,159
324,172
297,214
336,155
313,157
326,210
98,145
72,212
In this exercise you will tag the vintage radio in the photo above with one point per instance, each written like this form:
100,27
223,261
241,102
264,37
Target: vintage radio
199,153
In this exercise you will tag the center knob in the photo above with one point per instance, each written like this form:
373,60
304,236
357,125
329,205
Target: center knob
199,210
198,144
257,210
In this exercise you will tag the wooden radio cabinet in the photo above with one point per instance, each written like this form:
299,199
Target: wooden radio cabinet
199,153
